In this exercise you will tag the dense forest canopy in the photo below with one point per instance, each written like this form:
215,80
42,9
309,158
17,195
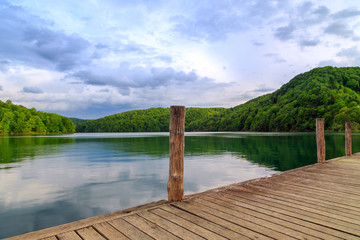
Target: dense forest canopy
329,92
17,119
148,120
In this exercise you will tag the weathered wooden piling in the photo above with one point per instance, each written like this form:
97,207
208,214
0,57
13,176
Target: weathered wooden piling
175,185
348,150
320,139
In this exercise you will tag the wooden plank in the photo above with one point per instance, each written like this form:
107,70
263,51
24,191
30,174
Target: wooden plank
84,223
323,225
300,231
323,232
169,226
50,238
218,229
321,204
277,225
250,233
149,228
242,221
188,225
310,209
89,233
336,175
109,231
328,187
320,192
309,216
128,230
350,203
68,236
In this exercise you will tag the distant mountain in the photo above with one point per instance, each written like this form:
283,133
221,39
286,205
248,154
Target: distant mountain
17,119
329,92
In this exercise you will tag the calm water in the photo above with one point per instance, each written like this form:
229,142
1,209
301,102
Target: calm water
51,180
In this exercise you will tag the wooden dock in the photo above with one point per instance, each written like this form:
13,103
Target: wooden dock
321,201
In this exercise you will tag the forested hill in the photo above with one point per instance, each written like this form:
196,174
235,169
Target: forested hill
328,92
17,119
148,120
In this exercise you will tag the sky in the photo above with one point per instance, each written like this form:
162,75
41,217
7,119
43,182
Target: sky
93,58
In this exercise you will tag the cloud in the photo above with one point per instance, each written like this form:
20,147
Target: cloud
214,21
346,57
263,89
29,40
309,43
346,13
285,33
339,29
125,77
4,65
34,90
64,51
352,52
276,57
164,58
1,88
258,44
308,14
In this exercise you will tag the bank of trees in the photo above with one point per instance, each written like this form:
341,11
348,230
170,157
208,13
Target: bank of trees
148,120
17,119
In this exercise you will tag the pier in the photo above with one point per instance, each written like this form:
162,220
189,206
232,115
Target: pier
319,201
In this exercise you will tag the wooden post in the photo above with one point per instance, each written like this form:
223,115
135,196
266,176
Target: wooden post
320,139
175,185
348,139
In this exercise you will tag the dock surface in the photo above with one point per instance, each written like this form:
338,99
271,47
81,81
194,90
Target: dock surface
320,201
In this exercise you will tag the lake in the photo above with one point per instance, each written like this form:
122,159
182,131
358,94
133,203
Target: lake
51,180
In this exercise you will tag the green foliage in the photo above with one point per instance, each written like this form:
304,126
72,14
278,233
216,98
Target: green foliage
16,119
149,120
328,92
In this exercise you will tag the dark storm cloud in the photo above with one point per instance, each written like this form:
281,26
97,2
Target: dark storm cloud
29,40
34,90
340,29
